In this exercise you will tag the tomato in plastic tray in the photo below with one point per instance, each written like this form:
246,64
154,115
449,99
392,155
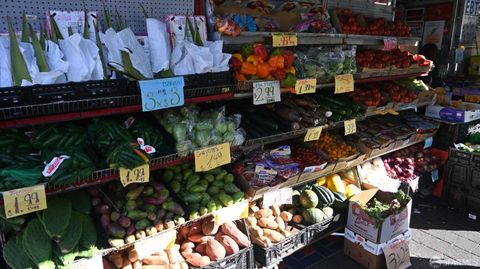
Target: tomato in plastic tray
306,156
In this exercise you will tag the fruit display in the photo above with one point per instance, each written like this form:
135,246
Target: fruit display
374,174
193,128
334,146
135,212
312,204
341,184
369,96
202,192
308,156
56,236
422,159
205,242
268,225
378,59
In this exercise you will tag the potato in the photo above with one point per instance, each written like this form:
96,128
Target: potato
215,251
286,216
263,213
274,236
275,210
251,221
209,227
191,255
280,222
255,231
184,232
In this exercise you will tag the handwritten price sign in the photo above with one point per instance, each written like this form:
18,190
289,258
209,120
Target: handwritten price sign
266,92
278,197
162,93
350,126
25,200
313,134
139,174
343,83
212,157
284,39
397,255
231,213
308,85
390,43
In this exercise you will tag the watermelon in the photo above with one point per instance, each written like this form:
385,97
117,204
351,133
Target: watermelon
308,199
325,196
313,216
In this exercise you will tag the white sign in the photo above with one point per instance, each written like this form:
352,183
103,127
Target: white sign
397,255
278,197
266,92
433,33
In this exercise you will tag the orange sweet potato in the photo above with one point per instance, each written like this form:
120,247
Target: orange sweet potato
199,262
215,250
201,248
231,230
229,244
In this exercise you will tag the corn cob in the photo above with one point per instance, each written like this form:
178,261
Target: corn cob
37,48
100,50
19,67
106,14
42,37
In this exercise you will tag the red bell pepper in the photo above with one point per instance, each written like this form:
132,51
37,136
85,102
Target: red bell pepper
279,74
260,51
289,58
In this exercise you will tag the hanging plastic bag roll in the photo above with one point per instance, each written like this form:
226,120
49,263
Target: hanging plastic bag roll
159,45
5,64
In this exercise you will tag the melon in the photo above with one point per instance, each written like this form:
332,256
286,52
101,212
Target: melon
308,199
312,216
351,190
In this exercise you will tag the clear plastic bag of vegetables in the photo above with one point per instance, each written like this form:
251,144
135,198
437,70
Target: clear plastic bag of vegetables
331,61
350,63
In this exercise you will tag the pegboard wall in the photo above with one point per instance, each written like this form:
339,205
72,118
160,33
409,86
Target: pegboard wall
129,10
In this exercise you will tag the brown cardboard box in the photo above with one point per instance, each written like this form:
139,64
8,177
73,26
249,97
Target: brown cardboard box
359,222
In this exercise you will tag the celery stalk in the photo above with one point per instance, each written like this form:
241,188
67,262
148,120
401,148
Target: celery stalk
37,48
19,67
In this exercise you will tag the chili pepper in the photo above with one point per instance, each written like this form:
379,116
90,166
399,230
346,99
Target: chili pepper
289,57
289,81
238,56
263,70
239,76
246,50
291,70
279,74
260,51
253,60
276,62
235,64
248,69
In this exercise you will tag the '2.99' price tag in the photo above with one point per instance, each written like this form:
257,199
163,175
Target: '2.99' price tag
308,85
25,200
350,126
284,39
212,157
162,93
266,92
139,174
313,134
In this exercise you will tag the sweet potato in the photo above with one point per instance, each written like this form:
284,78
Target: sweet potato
274,236
219,235
263,213
132,255
199,262
275,210
231,230
280,222
255,231
126,264
191,255
286,216
187,245
215,250
201,248
285,233
155,260
251,221
117,260
268,223
164,266
209,227
199,238
196,228
229,244
184,232
137,265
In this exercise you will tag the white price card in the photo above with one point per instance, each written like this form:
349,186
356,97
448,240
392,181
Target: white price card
390,43
231,213
428,143
266,92
278,197
94,262
160,241
397,255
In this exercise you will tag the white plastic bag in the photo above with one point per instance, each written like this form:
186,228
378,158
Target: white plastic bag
202,57
181,62
220,59
5,65
83,58
55,61
159,45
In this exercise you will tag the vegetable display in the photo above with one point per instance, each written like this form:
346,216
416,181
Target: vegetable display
379,211
135,212
379,59
334,146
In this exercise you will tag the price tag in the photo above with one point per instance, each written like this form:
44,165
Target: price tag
25,200
162,93
397,255
313,134
343,83
307,85
428,142
414,184
231,213
139,174
390,43
350,126
265,173
266,92
278,197
94,262
161,241
212,157
284,39
435,175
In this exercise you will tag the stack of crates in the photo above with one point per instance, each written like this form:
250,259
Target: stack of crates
463,180
449,134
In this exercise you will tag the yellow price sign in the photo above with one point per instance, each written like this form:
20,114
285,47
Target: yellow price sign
231,213
139,174
313,134
350,126
308,85
284,39
25,200
212,157
344,83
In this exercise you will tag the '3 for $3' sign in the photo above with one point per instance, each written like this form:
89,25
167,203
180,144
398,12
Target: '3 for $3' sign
162,93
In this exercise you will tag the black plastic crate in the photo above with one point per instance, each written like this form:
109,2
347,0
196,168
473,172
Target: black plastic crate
448,134
458,173
457,195
275,253
459,156
475,178
473,203
14,96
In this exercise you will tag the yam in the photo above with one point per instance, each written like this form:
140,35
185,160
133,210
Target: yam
263,213
184,232
297,219
274,236
262,241
276,210
209,227
199,238
201,248
256,231
231,230
133,255
219,235
280,222
199,262
191,255
187,245
251,221
215,251
155,260
196,228
117,260
229,244
286,216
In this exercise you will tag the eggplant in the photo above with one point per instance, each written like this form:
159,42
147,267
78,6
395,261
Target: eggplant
131,229
103,209
116,230
105,220
124,221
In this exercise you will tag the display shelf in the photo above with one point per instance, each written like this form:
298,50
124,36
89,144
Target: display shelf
318,39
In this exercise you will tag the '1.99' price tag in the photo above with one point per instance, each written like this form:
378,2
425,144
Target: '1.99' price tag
344,83
350,126
313,134
284,39
162,93
139,174
266,92
25,200
212,157
307,85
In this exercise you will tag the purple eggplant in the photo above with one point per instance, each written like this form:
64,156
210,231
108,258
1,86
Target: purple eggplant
105,220
158,186
116,230
161,214
131,229
148,191
124,221
103,209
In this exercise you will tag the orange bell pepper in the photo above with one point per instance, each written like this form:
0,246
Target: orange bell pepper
253,60
239,76
248,69
263,70
276,62
238,56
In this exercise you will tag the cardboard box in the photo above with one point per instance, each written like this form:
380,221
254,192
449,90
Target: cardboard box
366,253
255,192
452,114
359,222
